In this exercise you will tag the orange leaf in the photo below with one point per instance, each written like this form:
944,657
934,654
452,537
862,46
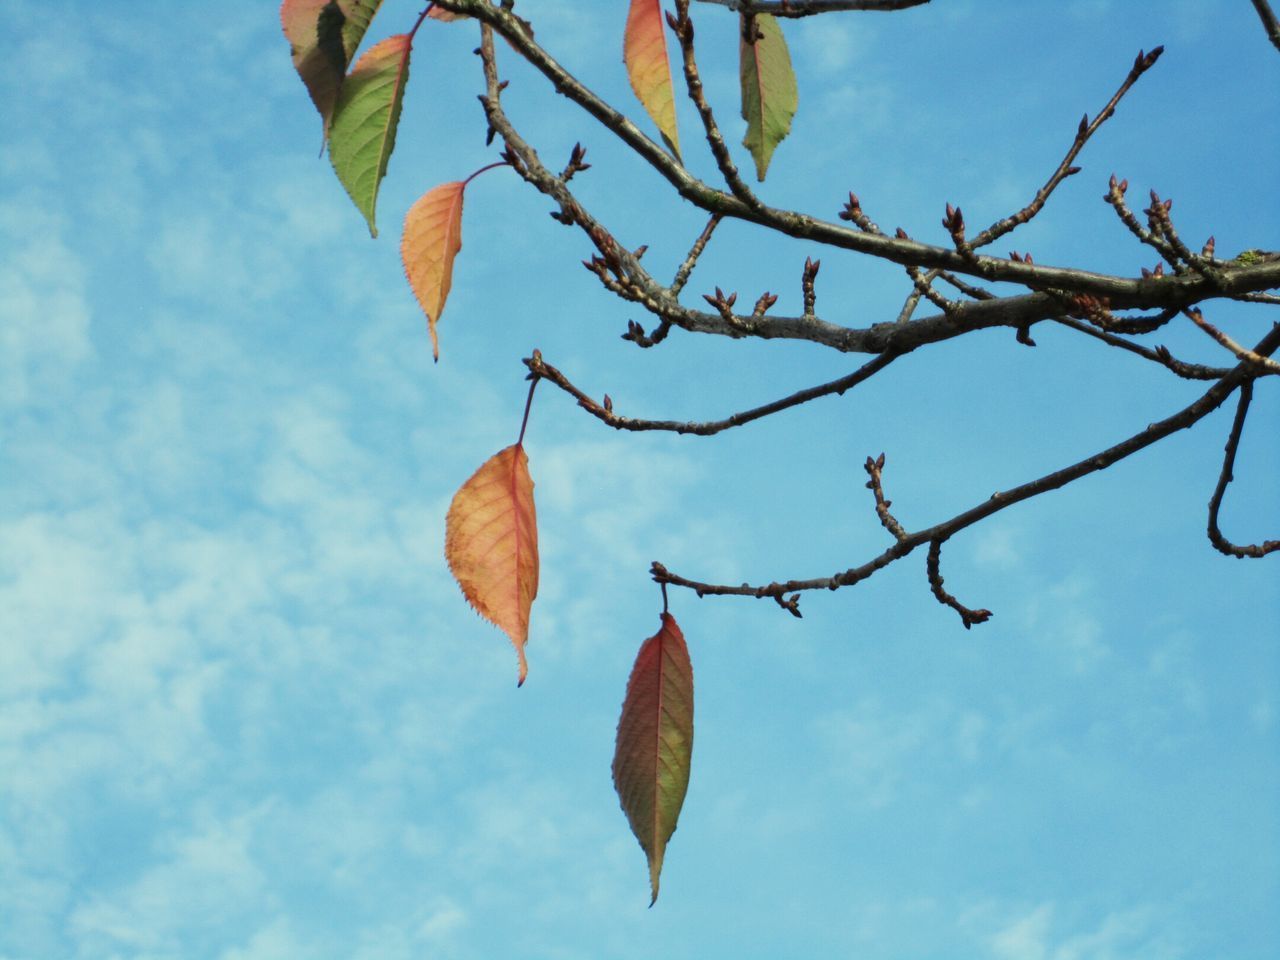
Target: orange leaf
432,238
323,36
491,544
314,31
644,51
655,742
445,16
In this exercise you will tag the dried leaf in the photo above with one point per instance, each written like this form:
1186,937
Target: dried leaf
323,36
644,51
491,544
769,93
432,238
445,16
655,742
363,132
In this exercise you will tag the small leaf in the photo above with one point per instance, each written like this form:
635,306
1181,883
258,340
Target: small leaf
644,51
432,238
445,16
363,132
491,544
769,93
323,36
655,742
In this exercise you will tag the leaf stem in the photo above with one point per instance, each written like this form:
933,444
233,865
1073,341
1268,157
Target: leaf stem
527,405
421,17
500,163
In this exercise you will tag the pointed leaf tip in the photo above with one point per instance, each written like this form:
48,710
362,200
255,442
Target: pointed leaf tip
491,545
769,92
644,51
654,748
363,132
432,238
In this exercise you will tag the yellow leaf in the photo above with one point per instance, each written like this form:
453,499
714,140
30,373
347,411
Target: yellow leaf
644,51
432,238
491,544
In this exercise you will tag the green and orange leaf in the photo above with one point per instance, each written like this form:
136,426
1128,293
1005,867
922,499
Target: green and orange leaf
644,51
363,132
655,742
323,36
769,92
491,544
432,238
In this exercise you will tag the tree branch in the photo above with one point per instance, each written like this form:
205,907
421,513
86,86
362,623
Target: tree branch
1221,543
1181,420
604,411
1269,21
809,8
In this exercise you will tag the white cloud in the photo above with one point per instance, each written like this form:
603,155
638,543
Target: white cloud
44,317
1042,934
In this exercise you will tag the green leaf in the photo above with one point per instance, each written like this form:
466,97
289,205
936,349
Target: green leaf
323,36
769,94
655,742
363,132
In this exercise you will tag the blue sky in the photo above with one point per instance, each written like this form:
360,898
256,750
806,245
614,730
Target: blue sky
245,713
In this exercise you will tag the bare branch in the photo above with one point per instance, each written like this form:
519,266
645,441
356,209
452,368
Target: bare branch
1160,355
1153,433
604,411
682,24
1221,543
875,470
686,268
1264,364
1269,21
933,566
1141,64
809,8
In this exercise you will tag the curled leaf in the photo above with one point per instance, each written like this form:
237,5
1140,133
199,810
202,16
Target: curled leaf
323,36
432,238
655,742
644,51
363,132
769,92
491,544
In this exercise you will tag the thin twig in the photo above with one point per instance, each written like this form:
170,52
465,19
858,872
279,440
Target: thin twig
1221,543
809,8
1160,355
682,24
1266,15
933,566
686,268
875,471
1265,364
1141,64
539,367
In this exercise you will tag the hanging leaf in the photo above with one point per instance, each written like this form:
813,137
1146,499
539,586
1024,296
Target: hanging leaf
432,238
769,93
655,742
644,51
491,544
323,36
314,31
363,132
